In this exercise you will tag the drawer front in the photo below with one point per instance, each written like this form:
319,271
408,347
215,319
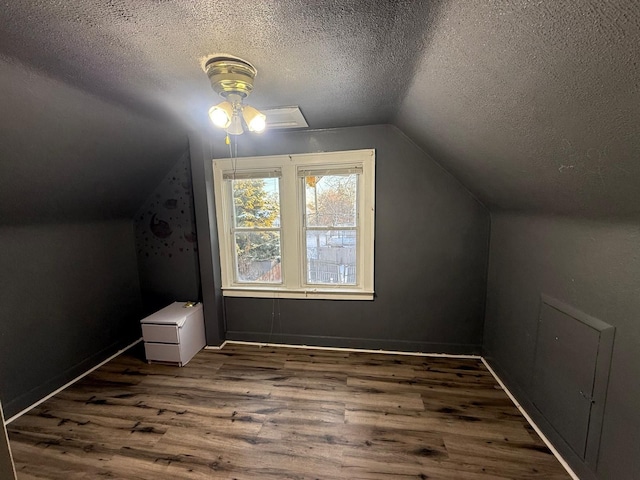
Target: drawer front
162,352
160,333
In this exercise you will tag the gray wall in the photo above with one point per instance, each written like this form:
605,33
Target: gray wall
166,241
200,154
69,297
430,256
7,470
593,267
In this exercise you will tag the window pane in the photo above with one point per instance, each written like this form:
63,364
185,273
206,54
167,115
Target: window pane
256,202
258,257
331,257
331,200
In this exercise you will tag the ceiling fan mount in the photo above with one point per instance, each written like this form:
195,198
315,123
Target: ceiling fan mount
230,76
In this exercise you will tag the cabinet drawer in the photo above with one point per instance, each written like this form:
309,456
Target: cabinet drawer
160,333
162,352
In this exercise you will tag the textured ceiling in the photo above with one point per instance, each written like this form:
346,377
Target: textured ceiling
342,62
532,105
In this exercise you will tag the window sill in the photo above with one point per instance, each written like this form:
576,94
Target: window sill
311,293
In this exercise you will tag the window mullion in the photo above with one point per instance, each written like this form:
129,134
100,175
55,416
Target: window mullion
290,227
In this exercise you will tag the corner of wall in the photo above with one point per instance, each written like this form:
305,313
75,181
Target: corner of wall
451,175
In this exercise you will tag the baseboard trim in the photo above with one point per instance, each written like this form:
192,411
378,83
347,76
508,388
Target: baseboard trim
524,413
347,349
68,384
9,456
215,347
372,344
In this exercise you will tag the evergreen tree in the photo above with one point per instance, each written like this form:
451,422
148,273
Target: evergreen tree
255,206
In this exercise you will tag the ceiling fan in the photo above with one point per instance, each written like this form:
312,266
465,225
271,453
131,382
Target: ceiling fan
232,78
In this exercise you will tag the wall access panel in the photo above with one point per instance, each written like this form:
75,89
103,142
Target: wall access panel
570,374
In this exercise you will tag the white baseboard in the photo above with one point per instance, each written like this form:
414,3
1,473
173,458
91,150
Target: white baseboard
79,377
9,457
532,423
345,349
214,347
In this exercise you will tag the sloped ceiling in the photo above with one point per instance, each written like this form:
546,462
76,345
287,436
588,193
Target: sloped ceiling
69,156
532,105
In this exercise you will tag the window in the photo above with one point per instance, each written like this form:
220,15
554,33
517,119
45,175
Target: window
256,228
297,226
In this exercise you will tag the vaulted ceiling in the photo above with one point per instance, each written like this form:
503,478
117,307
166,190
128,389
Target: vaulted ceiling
532,105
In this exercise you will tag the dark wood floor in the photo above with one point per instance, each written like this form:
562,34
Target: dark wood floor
276,413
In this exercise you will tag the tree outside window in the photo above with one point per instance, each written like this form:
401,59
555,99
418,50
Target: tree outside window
257,229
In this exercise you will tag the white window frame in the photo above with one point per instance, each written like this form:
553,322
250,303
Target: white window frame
292,211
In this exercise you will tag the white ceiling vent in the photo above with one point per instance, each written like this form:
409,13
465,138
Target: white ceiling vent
285,117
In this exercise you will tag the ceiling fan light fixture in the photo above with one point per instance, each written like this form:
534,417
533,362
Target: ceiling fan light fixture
232,79
229,75
221,114
256,121
235,127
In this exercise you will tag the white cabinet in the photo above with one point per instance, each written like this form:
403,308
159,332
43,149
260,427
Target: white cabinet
174,334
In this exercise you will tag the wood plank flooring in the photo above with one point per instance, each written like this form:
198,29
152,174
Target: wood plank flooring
247,412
